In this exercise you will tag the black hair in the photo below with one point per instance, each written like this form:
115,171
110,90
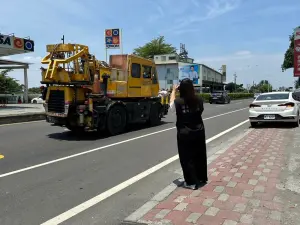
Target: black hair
192,66
187,93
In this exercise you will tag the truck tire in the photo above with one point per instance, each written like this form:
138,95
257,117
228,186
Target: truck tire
154,117
116,120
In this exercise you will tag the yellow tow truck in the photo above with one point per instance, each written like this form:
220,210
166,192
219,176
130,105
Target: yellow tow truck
84,94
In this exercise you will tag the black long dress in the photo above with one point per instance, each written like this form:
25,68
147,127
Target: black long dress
191,142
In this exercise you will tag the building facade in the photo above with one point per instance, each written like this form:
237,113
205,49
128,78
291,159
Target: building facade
171,69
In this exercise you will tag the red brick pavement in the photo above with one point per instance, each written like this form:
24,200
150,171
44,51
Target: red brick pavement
241,189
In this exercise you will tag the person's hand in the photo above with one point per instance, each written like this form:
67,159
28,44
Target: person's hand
175,87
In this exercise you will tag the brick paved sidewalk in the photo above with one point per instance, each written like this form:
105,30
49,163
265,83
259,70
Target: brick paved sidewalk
244,185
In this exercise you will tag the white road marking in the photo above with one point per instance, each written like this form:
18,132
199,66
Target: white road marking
102,147
99,198
237,102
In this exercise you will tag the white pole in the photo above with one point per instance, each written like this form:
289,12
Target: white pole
106,54
121,41
105,46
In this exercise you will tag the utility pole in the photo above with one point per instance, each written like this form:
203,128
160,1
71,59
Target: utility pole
234,76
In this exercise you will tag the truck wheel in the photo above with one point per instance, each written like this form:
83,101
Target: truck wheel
154,117
116,120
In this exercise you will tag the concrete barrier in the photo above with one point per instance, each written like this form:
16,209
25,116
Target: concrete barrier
24,117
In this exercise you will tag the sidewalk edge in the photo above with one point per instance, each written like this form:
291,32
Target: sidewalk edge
144,209
28,117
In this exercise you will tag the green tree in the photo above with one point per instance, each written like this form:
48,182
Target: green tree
232,87
156,46
262,86
288,61
265,88
9,84
34,90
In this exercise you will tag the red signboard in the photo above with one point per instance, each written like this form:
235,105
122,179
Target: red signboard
297,53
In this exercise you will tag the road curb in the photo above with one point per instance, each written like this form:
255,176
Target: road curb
9,119
135,217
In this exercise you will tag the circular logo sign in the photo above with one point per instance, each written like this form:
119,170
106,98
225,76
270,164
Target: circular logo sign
108,32
115,32
18,43
28,45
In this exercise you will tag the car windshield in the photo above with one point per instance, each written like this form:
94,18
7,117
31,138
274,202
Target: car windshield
273,97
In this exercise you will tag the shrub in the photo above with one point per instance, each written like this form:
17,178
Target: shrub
233,96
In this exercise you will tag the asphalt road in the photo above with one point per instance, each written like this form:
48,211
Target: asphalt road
38,194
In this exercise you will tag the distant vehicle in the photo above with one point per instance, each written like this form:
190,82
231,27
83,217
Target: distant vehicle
38,100
219,97
256,95
274,107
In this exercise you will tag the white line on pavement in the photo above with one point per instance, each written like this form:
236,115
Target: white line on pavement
102,147
99,198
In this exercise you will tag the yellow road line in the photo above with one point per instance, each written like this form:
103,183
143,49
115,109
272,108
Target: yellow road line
1,156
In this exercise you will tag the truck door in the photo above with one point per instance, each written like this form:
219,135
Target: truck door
134,80
146,82
155,85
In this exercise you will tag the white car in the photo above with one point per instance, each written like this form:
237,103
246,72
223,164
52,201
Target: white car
38,100
274,107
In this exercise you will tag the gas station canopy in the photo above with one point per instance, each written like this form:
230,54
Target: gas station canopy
12,45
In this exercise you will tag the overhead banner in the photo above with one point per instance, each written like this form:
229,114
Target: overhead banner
190,71
297,53
112,38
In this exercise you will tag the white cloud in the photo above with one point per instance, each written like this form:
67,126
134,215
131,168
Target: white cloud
159,12
220,7
251,67
213,10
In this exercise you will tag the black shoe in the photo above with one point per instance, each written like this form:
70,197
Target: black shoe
192,186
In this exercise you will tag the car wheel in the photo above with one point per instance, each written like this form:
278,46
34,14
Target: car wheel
253,124
34,101
210,102
296,124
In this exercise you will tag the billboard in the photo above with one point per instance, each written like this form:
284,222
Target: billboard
190,71
112,38
297,53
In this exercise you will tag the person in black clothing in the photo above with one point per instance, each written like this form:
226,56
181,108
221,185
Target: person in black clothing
191,140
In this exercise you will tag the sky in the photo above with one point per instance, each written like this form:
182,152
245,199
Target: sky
249,36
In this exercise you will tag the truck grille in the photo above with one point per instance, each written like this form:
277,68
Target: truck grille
56,101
